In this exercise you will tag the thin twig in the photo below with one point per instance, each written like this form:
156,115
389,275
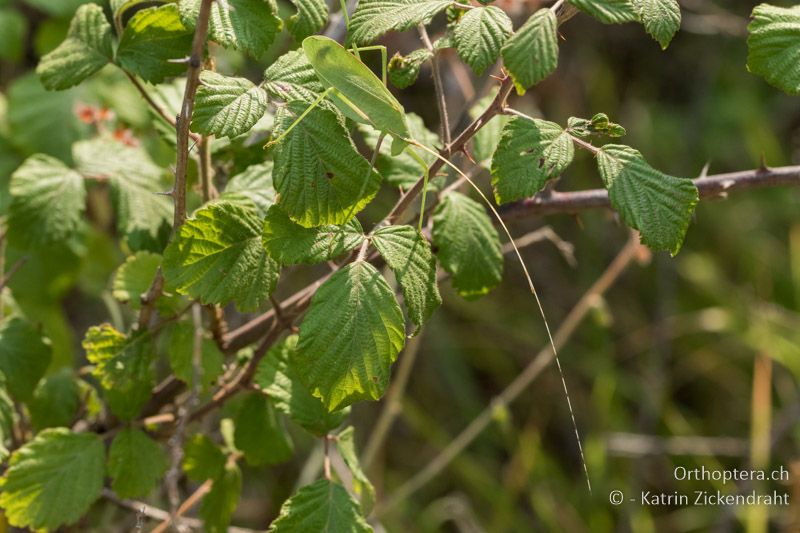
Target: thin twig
154,513
148,300
710,187
184,119
190,502
519,385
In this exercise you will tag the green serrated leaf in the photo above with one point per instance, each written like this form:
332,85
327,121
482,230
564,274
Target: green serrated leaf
311,16
136,463
291,77
202,459
480,35
221,501
661,19
124,367
86,50
468,245
248,25
217,257
180,348
24,357
55,401
319,174
404,70
277,377
350,337
290,243
658,205
47,203
373,18
531,54
252,188
227,107
142,215
345,443
530,153
151,39
608,11
409,256
53,480
134,278
323,507
774,46
259,433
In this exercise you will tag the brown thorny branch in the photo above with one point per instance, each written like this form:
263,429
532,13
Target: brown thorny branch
270,326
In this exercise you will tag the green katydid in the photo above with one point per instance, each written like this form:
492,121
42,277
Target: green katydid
362,97
359,95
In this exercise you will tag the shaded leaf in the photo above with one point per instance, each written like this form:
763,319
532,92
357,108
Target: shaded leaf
136,463
468,245
180,348
345,443
151,39
24,357
202,459
277,377
55,401
221,501
404,70
409,256
402,170
259,433
350,337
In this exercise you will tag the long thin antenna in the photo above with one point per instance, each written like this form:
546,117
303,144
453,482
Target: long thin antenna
533,291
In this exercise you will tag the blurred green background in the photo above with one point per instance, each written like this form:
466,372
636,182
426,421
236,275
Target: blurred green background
668,353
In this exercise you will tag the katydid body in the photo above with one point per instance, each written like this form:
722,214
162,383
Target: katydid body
360,95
